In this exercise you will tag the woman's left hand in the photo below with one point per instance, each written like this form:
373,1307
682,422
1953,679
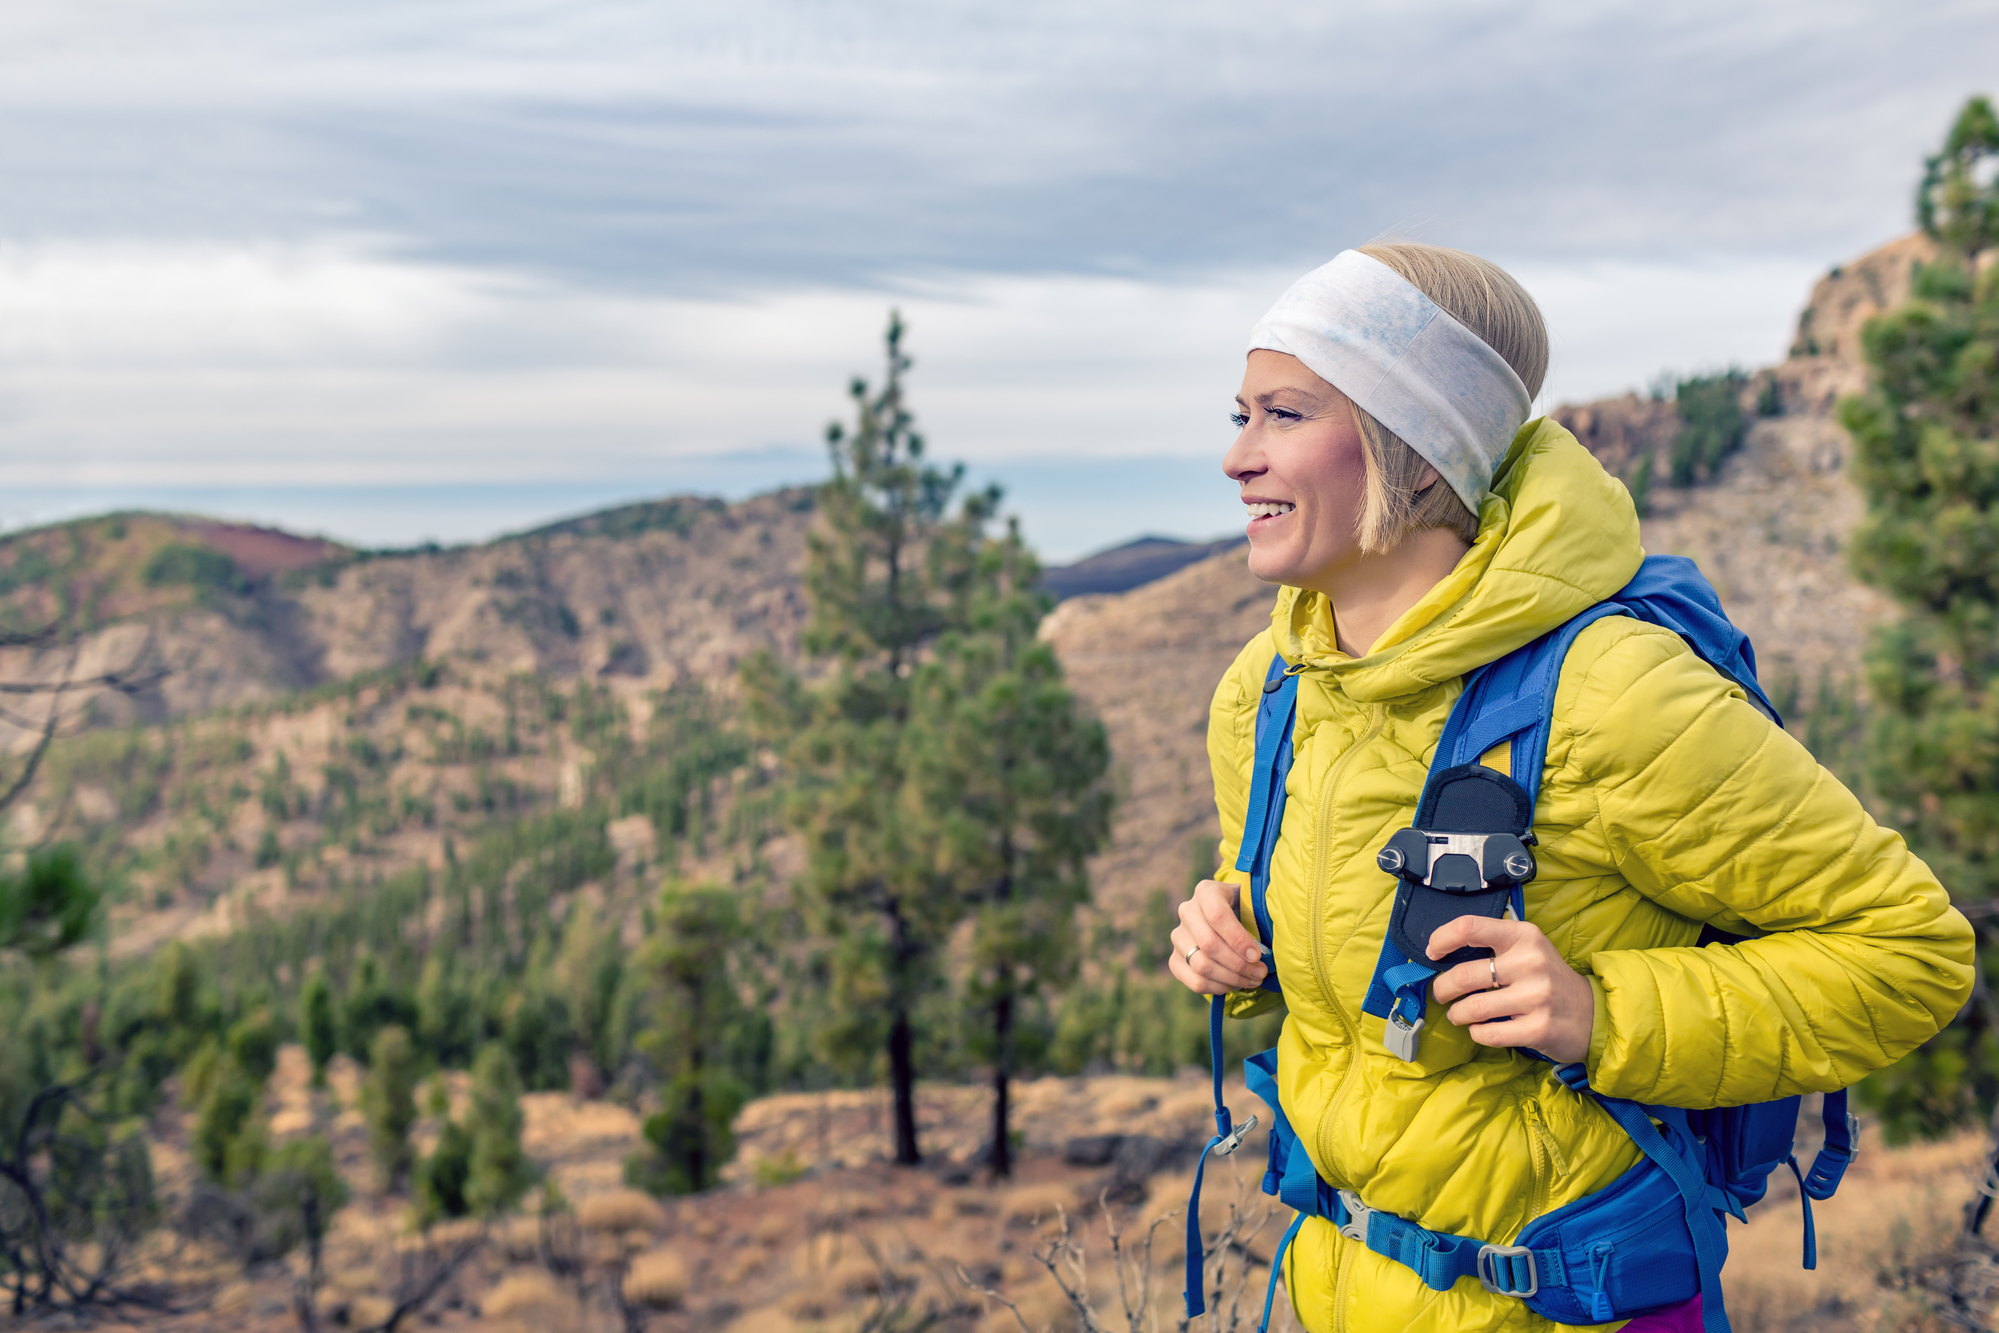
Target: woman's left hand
1551,1006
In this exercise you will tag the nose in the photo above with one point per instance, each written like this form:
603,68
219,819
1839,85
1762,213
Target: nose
1244,460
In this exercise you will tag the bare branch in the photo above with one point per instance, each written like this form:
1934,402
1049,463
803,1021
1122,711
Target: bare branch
129,681
989,1294
110,680
416,1291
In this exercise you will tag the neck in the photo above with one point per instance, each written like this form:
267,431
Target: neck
1371,592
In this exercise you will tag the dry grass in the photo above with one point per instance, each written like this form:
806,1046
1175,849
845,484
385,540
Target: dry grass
368,1311
814,1251
518,1238
622,1210
1895,1217
1028,1205
525,1291
657,1279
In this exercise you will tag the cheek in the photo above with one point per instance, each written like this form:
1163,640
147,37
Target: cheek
1334,473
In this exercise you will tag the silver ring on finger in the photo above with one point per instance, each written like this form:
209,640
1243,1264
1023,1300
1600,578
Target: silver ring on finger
1492,964
1190,954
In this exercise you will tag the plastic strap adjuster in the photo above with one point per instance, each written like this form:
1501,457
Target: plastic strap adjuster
1400,1036
1232,1140
1508,1270
1354,1225
1829,1166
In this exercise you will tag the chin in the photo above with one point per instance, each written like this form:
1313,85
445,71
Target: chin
1270,567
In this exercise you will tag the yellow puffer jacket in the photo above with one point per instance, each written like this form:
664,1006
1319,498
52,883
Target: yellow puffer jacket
1667,801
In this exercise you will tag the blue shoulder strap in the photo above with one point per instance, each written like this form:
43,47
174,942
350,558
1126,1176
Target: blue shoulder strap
1261,825
1275,714
1514,699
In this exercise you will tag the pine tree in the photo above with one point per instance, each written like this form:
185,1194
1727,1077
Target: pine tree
317,1026
590,972
498,1171
697,1013
1927,458
1958,202
889,569
226,1108
48,907
388,1101
1011,772
438,1186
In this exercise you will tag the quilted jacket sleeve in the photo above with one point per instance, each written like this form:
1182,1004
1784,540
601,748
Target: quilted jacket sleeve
1715,813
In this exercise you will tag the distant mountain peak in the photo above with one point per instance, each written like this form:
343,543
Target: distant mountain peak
1131,565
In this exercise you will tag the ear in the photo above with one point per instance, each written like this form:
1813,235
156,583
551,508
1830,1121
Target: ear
1427,478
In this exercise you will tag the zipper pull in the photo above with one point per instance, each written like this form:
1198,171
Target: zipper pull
1539,1125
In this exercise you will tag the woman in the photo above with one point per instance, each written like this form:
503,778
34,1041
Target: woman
1421,527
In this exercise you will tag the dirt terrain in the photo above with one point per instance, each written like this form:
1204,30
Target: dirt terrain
818,1231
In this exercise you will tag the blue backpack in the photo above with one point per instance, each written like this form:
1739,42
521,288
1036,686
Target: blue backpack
1652,1238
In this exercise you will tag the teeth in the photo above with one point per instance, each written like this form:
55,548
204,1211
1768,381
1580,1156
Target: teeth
1269,510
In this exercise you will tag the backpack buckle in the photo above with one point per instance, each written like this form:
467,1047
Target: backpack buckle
1502,1267
1400,1035
1355,1227
1233,1139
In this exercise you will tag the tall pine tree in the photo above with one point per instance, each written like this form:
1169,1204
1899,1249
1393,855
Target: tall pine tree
1011,773
1927,458
890,567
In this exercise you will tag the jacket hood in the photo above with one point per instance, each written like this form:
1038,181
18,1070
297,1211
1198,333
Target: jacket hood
1556,535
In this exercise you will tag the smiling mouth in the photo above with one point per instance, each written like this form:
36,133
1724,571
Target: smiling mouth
1268,509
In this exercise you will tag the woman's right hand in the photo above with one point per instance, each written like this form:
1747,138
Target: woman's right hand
1225,956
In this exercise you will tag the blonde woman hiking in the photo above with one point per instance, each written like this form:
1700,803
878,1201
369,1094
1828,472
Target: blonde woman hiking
1564,922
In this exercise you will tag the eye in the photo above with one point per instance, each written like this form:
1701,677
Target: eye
1285,414
1239,419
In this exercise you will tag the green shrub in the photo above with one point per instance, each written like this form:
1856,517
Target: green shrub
539,1038
439,1184
195,566
253,1041
388,1100
318,1028
228,1101
1712,425
498,1170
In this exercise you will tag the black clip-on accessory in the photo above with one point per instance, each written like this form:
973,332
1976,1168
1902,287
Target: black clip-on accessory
1466,856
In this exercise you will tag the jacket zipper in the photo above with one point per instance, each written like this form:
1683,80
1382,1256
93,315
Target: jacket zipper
1348,1252
1321,854
1548,1159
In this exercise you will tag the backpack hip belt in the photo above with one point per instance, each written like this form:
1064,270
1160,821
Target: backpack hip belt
1652,1238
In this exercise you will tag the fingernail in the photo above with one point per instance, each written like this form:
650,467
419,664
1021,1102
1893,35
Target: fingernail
1252,954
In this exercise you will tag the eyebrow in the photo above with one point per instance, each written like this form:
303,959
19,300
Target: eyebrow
1268,396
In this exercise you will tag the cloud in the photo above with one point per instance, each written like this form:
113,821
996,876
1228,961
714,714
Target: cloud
701,151
330,362
610,247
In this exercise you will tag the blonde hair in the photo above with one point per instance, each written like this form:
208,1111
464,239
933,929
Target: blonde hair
1485,299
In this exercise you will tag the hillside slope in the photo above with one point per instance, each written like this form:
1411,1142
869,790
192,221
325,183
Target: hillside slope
659,591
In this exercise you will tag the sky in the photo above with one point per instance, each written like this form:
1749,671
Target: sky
407,270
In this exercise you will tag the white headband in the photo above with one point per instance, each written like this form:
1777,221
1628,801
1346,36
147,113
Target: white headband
1360,327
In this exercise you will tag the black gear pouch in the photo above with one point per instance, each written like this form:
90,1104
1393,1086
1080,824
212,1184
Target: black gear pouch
1470,798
